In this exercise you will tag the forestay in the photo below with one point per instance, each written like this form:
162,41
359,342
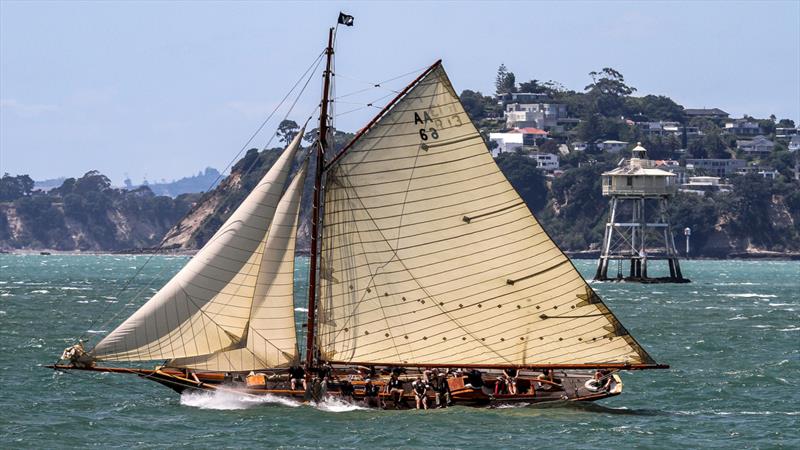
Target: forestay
430,257
206,307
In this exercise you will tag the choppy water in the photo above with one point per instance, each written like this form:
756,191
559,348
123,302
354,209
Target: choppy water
732,338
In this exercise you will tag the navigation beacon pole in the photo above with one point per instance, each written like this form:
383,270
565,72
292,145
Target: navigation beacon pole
321,148
632,186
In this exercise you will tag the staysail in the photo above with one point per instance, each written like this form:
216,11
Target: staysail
206,307
429,256
270,340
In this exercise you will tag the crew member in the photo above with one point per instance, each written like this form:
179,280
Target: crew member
420,388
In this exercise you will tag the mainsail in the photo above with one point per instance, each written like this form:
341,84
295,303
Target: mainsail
207,306
430,257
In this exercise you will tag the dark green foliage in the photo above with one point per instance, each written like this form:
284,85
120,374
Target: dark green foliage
528,180
654,108
478,106
42,218
700,213
12,188
577,208
287,130
505,82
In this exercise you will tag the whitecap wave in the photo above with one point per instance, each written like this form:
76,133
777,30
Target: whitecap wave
301,309
332,404
229,399
750,295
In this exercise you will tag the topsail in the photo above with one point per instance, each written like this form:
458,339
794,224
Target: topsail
430,257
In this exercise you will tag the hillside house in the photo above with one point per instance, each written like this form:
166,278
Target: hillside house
716,167
742,127
759,146
545,161
611,146
516,139
537,115
794,143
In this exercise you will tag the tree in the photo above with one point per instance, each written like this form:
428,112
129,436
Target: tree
477,105
533,86
608,91
12,188
654,107
505,82
287,130
526,178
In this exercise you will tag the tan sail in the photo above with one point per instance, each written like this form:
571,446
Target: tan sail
206,307
271,336
430,257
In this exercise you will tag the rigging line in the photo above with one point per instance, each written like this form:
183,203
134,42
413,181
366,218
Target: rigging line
379,84
370,104
312,69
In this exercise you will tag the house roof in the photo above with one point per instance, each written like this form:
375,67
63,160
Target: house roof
529,130
704,112
636,170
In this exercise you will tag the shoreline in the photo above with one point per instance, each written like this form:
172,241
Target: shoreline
581,255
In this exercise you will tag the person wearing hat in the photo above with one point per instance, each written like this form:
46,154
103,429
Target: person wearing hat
420,388
442,390
371,397
395,390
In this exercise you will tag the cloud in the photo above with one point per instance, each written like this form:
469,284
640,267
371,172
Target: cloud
24,110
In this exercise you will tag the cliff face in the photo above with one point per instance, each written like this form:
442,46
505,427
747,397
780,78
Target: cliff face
214,207
87,214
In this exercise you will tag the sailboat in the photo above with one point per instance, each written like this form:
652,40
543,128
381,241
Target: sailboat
425,267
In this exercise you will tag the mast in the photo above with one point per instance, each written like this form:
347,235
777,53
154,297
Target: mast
321,149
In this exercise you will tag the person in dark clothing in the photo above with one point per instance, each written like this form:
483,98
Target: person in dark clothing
371,394
395,389
297,375
474,379
420,388
326,371
346,388
442,390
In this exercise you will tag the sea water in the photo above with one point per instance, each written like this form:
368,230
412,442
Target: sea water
732,337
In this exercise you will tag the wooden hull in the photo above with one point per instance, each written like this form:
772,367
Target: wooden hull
572,388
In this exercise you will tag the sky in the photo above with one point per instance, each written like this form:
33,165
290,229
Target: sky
161,90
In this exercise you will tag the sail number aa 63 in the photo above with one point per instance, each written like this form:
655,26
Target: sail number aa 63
432,132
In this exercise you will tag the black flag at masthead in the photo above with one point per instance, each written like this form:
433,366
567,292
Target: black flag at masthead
345,19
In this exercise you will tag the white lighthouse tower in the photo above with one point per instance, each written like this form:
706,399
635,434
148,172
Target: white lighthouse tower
638,231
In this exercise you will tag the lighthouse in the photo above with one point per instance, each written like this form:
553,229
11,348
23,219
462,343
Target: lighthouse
638,232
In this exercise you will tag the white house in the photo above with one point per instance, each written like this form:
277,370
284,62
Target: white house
701,185
516,139
539,115
545,161
794,143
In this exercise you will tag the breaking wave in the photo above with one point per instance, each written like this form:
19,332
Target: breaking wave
230,399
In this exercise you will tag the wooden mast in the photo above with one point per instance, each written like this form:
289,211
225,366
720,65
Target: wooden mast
322,147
